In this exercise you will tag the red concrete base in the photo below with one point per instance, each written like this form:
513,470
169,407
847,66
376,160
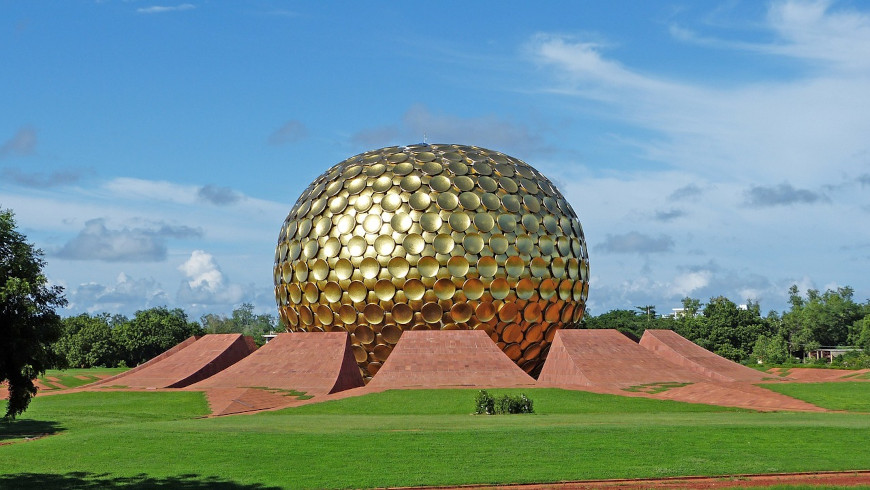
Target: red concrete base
448,358
605,361
316,363
193,360
607,357
675,348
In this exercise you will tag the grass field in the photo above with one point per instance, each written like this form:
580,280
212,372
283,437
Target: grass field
851,396
55,379
152,440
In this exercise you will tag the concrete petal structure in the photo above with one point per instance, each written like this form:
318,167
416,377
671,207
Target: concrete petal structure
680,351
190,361
448,359
432,237
316,363
607,358
606,361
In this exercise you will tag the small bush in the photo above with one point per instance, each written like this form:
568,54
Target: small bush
486,404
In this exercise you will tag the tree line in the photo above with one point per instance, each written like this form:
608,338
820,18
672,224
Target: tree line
104,340
742,334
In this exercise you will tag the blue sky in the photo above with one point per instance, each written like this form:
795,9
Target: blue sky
153,149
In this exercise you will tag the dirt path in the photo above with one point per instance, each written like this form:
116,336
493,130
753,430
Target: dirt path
839,478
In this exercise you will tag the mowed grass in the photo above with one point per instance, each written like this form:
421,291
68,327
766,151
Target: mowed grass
73,378
841,395
402,438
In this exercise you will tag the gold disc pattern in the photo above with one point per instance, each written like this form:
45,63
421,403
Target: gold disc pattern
432,237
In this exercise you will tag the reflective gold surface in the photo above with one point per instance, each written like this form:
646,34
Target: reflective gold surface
432,237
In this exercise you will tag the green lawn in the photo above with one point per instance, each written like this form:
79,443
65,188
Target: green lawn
154,440
853,396
70,378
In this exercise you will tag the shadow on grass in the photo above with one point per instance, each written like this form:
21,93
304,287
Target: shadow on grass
27,429
94,481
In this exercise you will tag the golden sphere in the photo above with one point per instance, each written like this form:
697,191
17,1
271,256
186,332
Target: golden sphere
432,237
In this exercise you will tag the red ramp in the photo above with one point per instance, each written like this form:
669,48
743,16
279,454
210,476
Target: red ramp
607,358
190,361
683,352
315,363
606,361
448,358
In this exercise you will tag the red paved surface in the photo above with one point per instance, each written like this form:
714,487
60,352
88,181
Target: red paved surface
316,363
812,375
179,367
607,358
825,479
605,361
147,364
448,358
683,352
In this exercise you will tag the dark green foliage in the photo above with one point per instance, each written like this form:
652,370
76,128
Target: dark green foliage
505,404
28,322
821,319
151,332
626,321
87,341
243,321
771,350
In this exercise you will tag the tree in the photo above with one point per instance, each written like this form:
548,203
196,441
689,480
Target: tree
821,319
87,341
151,332
28,322
648,310
243,321
628,321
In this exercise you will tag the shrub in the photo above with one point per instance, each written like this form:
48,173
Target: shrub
486,404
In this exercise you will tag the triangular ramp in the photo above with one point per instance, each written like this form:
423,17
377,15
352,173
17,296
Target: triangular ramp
317,363
606,358
681,351
311,363
193,360
448,358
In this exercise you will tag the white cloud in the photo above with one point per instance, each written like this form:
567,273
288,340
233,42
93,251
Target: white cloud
98,242
685,284
202,271
809,127
205,284
160,9
124,295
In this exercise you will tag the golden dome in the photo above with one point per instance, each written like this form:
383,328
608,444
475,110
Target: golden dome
432,237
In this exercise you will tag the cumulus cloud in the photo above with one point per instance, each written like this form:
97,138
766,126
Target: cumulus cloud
419,123
685,284
218,195
41,180
781,195
290,132
22,143
634,242
98,242
669,215
205,282
160,9
125,295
